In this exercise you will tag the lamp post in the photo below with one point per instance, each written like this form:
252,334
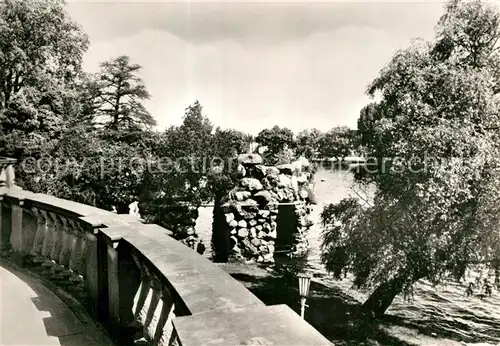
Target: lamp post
304,282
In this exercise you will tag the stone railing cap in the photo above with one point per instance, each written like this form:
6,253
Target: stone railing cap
270,325
7,161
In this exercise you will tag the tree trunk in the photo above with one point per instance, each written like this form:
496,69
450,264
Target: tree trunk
380,300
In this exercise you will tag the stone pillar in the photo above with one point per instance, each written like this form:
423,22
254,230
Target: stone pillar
113,286
7,176
123,281
5,226
36,250
17,233
251,210
92,272
10,181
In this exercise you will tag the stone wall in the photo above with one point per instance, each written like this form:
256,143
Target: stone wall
251,208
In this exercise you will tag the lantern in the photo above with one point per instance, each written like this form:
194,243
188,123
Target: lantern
304,283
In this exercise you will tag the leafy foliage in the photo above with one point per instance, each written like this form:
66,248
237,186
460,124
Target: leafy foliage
435,211
275,140
120,93
41,52
307,143
337,143
199,164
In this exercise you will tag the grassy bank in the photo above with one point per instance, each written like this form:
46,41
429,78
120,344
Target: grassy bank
436,316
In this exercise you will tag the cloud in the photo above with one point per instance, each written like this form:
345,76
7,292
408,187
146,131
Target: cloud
315,82
253,66
256,23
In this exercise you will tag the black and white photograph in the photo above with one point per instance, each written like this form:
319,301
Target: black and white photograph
224,173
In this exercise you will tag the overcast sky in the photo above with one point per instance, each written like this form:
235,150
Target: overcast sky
255,65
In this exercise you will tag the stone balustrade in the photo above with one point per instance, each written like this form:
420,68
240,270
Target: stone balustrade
136,280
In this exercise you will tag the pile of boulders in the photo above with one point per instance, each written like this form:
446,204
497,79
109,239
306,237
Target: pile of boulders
183,226
251,208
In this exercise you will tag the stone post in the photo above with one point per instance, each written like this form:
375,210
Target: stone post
123,280
92,271
17,233
7,176
4,226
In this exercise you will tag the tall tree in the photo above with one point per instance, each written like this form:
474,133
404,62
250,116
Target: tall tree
276,140
337,143
41,52
436,206
181,176
121,95
307,142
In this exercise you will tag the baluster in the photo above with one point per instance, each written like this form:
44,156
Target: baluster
153,315
82,245
65,253
165,327
41,225
174,338
58,239
76,253
142,292
49,244
73,232
46,236
91,274
142,311
76,249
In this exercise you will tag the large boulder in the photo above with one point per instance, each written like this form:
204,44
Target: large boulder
241,170
246,209
264,213
264,196
272,171
258,172
284,180
295,183
250,159
303,162
251,184
304,194
266,184
242,195
229,217
271,248
256,242
303,178
273,235
286,168
268,258
253,232
243,233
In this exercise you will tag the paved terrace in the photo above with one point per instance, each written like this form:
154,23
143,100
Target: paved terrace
31,314
133,279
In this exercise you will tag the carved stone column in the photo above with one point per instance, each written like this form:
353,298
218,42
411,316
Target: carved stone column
41,225
17,232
